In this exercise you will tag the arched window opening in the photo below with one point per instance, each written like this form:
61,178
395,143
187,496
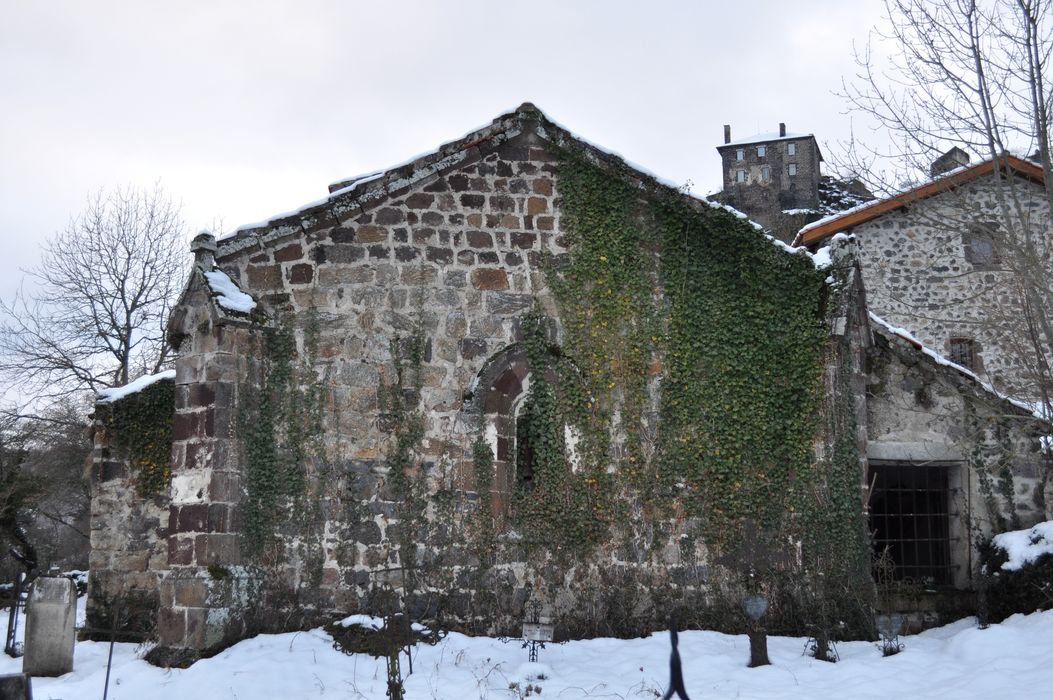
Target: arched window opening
524,450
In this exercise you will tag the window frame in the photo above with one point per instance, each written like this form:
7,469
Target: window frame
791,169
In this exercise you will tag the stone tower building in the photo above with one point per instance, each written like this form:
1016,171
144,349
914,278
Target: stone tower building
771,177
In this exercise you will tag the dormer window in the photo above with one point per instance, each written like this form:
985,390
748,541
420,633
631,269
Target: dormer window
761,151
740,176
791,169
740,154
791,149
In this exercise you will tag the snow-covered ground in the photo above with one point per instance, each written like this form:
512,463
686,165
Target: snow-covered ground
1010,660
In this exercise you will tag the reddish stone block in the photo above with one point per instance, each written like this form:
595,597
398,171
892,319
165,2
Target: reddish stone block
201,394
224,487
545,223
489,278
195,627
171,627
537,205
479,239
523,239
180,550
302,273
289,253
191,518
218,520
265,276
420,200
510,221
543,185
189,593
371,234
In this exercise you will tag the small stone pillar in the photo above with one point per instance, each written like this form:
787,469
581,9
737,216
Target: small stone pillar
50,616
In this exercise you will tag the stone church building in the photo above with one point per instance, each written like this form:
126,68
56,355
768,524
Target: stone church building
515,372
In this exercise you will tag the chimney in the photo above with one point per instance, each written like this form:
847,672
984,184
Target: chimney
727,133
954,158
204,249
782,129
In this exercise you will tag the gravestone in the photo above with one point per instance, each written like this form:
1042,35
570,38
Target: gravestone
16,686
50,615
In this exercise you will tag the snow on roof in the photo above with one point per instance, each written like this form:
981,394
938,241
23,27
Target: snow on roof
1025,546
941,360
763,138
227,293
134,387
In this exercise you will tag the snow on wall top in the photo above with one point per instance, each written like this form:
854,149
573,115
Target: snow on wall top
765,137
119,392
227,294
941,360
1025,546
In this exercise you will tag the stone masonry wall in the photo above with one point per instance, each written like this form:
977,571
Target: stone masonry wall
922,413
918,277
456,256
128,543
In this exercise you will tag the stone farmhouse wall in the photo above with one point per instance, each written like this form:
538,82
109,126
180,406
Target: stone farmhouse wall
918,275
921,413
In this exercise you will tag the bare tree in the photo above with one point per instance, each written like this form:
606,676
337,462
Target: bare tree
95,311
973,74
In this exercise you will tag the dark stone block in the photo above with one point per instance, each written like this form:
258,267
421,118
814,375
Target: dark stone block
466,257
367,532
302,273
442,256
513,259
406,253
420,200
432,218
379,252
523,239
16,686
472,201
389,215
288,253
490,258
502,202
345,253
479,239
189,518
342,235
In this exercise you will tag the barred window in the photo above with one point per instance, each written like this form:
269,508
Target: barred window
963,352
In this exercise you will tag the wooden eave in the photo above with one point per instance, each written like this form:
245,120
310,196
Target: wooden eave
810,236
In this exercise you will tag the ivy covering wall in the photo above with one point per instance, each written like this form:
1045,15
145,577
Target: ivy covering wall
141,424
690,370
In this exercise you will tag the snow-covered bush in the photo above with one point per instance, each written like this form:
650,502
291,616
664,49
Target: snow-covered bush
1019,565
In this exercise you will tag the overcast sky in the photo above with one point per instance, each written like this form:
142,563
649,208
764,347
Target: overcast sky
247,109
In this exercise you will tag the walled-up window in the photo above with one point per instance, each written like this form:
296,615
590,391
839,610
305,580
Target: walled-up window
765,174
963,352
524,449
910,517
979,244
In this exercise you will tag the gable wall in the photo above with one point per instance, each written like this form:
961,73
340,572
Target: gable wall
917,276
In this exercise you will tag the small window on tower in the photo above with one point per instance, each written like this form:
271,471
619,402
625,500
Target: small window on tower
740,154
762,151
791,149
740,176
791,169
963,352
